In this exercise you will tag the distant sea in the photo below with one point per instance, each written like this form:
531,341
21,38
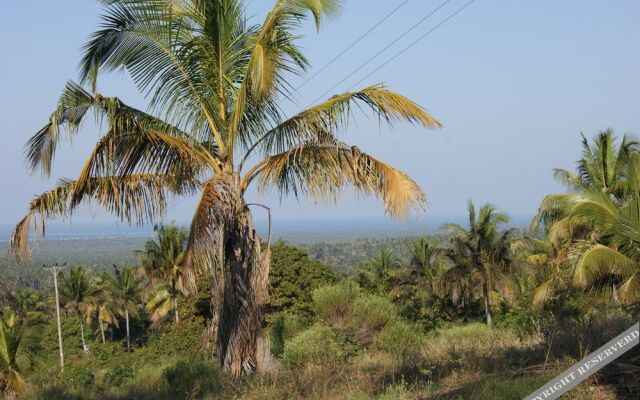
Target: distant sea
296,231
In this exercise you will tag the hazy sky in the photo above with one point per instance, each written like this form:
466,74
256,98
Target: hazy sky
513,81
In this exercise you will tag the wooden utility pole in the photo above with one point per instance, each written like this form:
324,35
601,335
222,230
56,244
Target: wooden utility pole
56,269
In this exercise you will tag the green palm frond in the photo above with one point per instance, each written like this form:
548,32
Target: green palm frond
334,115
600,261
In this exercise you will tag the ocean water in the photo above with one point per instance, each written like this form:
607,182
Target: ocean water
298,230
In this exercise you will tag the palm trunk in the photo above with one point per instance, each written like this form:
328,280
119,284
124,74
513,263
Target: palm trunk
84,344
487,306
242,345
126,317
102,331
175,309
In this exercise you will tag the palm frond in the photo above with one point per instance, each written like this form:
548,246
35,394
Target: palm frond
321,169
335,113
135,199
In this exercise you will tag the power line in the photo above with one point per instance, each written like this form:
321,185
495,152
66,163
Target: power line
413,43
396,40
386,17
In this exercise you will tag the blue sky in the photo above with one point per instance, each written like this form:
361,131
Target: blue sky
514,82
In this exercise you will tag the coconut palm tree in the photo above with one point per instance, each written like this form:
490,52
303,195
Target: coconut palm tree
162,261
612,260
415,286
606,179
481,255
101,307
75,291
216,127
601,168
31,300
375,274
19,342
125,286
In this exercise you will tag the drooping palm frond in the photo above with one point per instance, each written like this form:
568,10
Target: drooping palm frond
127,127
133,198
321,169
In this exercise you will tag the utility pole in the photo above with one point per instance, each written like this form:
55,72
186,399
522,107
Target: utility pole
56,269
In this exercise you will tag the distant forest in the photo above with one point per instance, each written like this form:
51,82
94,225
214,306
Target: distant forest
101,253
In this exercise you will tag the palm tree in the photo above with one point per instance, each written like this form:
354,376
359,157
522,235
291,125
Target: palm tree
125,287
216,127
19,342
31,300
162,261
416,284
75,292
481,253
375,274
427,261
612,260
101,307
601,168
579,224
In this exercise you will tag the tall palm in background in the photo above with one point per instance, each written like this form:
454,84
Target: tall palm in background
162,260
19,342
480,254
215,127
126,286
75,291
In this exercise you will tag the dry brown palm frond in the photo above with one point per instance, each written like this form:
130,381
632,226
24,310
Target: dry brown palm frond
322,169
219,202
144,152
134,199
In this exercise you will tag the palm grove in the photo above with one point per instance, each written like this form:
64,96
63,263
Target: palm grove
215,126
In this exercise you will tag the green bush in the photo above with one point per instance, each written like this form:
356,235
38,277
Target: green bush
317,344
399,338
374,312
284,328
334,304
120,376
191,379
77,377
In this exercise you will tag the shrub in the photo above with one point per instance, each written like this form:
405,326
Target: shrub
285,327
191,379
317,344
334,304
77,377
374,312
120,376
399,338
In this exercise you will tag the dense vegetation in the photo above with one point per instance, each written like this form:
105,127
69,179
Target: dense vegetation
447,317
